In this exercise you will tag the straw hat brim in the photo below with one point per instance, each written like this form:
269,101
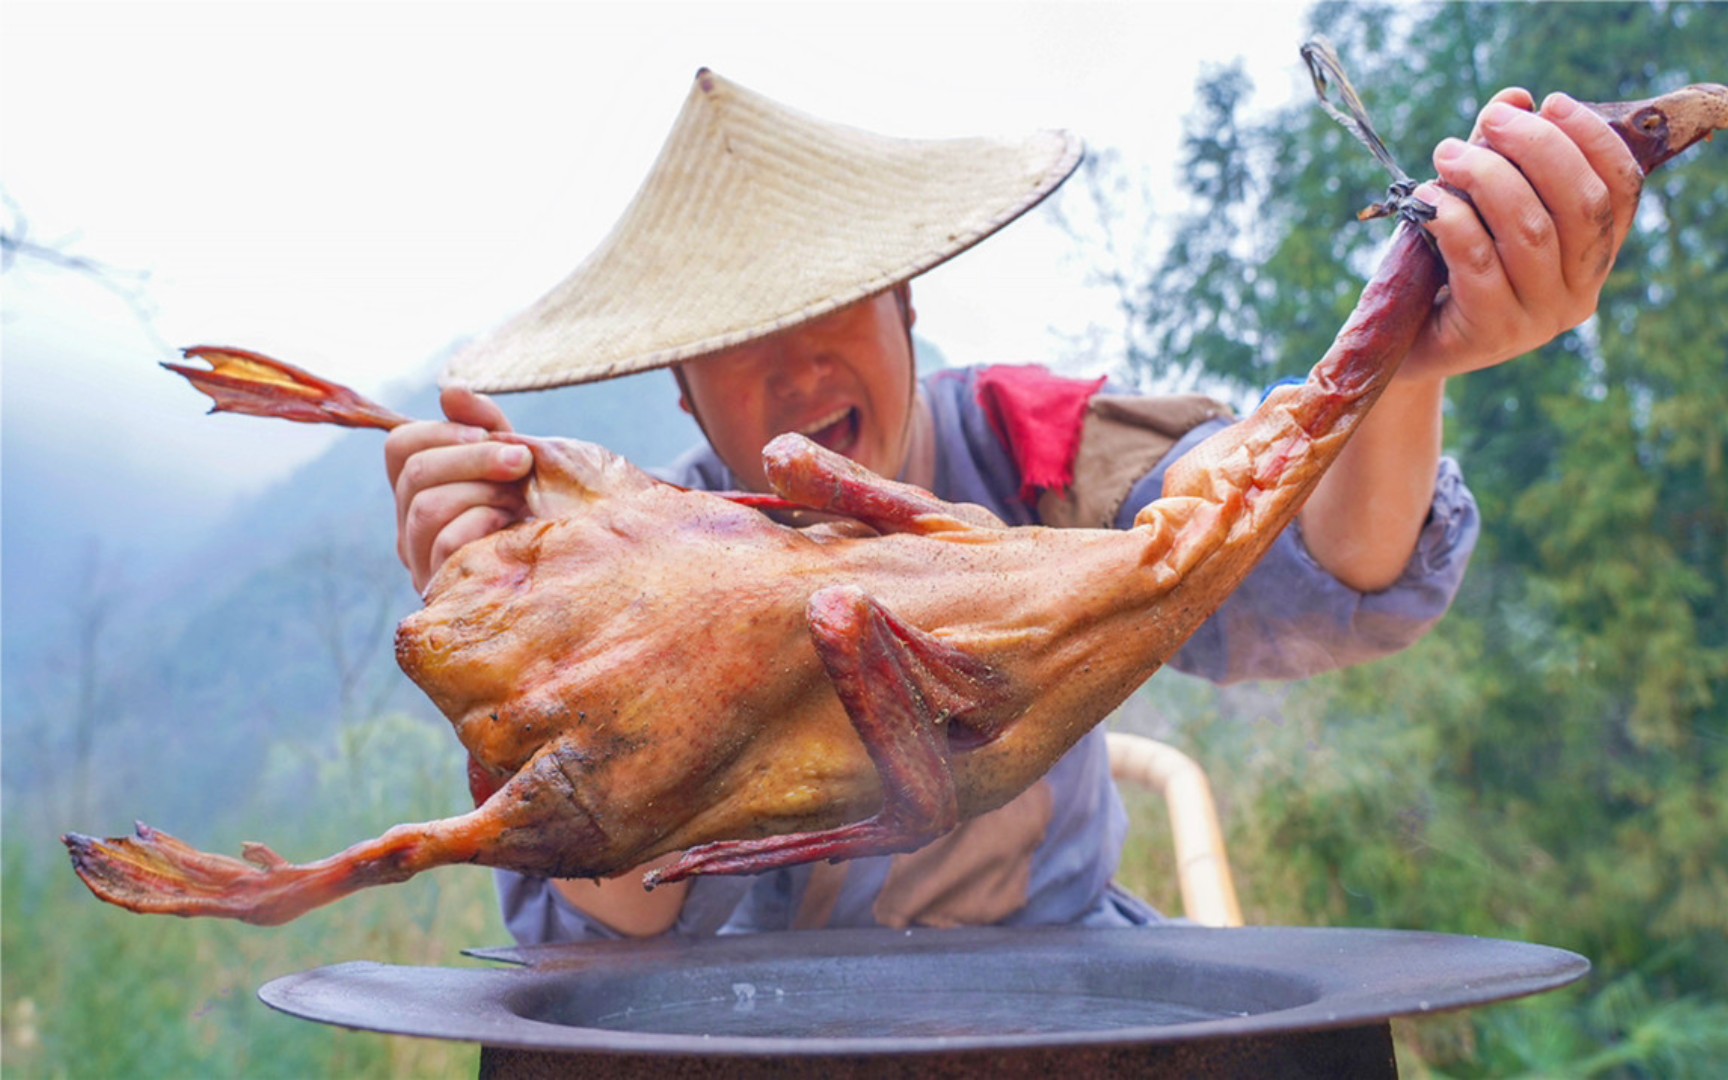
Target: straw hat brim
756,218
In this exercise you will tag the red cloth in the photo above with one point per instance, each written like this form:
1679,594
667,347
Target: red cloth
1038,417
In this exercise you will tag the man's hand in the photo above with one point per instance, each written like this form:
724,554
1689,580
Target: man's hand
453,483
1554,194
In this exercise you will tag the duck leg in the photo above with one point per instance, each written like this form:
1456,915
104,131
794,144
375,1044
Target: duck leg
902,688
536,823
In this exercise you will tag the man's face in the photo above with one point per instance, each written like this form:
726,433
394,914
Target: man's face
844,380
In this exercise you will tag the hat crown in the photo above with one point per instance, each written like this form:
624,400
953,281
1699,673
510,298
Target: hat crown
756,217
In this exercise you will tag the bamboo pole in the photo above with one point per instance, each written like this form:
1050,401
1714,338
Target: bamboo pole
1202,867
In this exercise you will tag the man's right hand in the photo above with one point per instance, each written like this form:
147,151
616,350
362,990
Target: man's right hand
453,483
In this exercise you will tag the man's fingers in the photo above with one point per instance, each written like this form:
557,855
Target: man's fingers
464,406
441,519
1574,201
436,485
471,418
484,461
472,524
410,440
1475,275
452,481
1515,96
1507,181
1606,185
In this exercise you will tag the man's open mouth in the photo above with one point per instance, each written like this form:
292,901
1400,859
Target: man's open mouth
838,431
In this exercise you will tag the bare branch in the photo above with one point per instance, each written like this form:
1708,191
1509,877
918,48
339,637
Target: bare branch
130,286
1108,211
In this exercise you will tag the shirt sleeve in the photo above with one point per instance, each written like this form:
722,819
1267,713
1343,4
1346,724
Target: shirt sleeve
1292,618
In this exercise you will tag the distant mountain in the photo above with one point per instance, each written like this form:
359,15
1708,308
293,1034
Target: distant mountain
275,624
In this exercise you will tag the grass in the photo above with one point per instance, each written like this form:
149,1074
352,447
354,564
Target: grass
91,990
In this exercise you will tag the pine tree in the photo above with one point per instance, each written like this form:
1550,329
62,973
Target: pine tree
1551,763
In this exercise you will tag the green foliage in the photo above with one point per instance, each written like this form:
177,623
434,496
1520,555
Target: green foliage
91,990
1550,764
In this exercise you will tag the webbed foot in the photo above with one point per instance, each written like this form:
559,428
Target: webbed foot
151,872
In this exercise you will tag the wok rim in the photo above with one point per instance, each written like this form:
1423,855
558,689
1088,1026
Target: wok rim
1350,978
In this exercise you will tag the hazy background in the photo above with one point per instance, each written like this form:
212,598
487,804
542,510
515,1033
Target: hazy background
356,186
197,611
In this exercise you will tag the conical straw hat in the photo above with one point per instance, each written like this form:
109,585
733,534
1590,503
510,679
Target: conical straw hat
756,218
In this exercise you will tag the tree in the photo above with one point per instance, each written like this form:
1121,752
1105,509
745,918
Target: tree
352,593
1550,763
97,593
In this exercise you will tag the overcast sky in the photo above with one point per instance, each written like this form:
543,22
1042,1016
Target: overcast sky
353,186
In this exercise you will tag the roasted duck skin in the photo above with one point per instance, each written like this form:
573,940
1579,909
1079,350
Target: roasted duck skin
641,669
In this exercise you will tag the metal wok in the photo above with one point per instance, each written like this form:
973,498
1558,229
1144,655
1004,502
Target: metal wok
927,998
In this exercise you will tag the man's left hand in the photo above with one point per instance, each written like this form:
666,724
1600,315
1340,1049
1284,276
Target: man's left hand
1554,195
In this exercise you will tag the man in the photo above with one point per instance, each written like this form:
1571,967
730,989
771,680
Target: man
766,259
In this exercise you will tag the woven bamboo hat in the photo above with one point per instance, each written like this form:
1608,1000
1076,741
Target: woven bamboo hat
755,218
